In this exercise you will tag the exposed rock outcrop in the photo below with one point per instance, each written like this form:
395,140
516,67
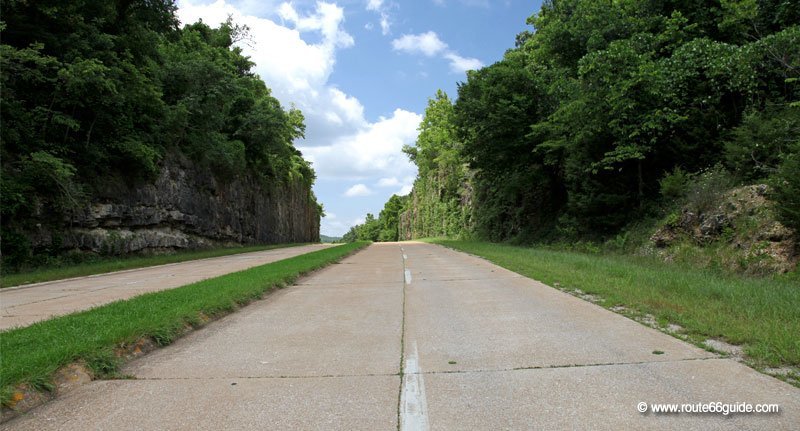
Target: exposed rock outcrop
740,228
187,207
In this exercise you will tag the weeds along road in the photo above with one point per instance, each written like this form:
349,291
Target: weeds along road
415,336
24,305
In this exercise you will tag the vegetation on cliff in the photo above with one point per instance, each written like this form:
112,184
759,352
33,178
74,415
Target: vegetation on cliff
607,116
98,91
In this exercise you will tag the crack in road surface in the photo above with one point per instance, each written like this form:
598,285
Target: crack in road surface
413,408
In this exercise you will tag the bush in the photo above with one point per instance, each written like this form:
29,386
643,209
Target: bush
786,189
16,249
673,185
755,148
705,190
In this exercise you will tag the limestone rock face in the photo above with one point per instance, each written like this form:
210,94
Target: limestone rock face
741,228
187,207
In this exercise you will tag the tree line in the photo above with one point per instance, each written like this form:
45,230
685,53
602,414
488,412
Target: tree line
592,120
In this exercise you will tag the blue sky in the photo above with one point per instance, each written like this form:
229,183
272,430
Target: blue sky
362,71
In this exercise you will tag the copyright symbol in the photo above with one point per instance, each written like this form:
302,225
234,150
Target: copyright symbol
642,407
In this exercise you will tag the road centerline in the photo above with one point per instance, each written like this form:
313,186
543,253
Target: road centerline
414,406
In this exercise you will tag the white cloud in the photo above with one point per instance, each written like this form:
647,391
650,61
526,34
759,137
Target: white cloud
371,151
406,189
385,24
459,64
382,9
429,44
326,20
358,190
388,182
406,184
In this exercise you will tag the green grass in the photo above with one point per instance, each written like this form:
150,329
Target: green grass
110,264
32,354
762,314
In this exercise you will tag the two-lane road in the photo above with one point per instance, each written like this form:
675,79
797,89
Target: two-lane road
419,337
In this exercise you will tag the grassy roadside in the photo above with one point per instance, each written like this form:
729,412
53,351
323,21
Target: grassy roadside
763,315
32,354
110,264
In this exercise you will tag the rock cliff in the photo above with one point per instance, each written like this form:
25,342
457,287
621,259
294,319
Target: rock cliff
186,207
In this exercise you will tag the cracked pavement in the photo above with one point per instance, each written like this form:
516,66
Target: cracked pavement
415,336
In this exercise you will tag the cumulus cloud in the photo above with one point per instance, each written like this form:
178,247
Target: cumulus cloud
459,64
406,184
358,190
429,45
388,182
371,151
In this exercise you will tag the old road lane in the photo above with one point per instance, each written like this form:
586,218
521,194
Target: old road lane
23,305
415,336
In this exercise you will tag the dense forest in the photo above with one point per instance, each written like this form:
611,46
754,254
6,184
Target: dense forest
606,114
94,92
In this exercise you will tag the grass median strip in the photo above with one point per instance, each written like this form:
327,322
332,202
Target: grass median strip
111,264
761,314
32,354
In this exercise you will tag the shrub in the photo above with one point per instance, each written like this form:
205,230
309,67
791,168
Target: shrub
705,190
754,149
786,189
673,185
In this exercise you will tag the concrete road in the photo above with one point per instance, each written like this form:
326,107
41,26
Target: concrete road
23,305
419,337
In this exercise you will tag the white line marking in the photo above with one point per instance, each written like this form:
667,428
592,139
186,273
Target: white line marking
408,276
413,406
405,257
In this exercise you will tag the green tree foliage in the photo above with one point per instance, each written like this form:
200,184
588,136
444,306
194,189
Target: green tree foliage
786,188
756,147
368,231
442,189
383,228
515,180
389,219
607,111
93,90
